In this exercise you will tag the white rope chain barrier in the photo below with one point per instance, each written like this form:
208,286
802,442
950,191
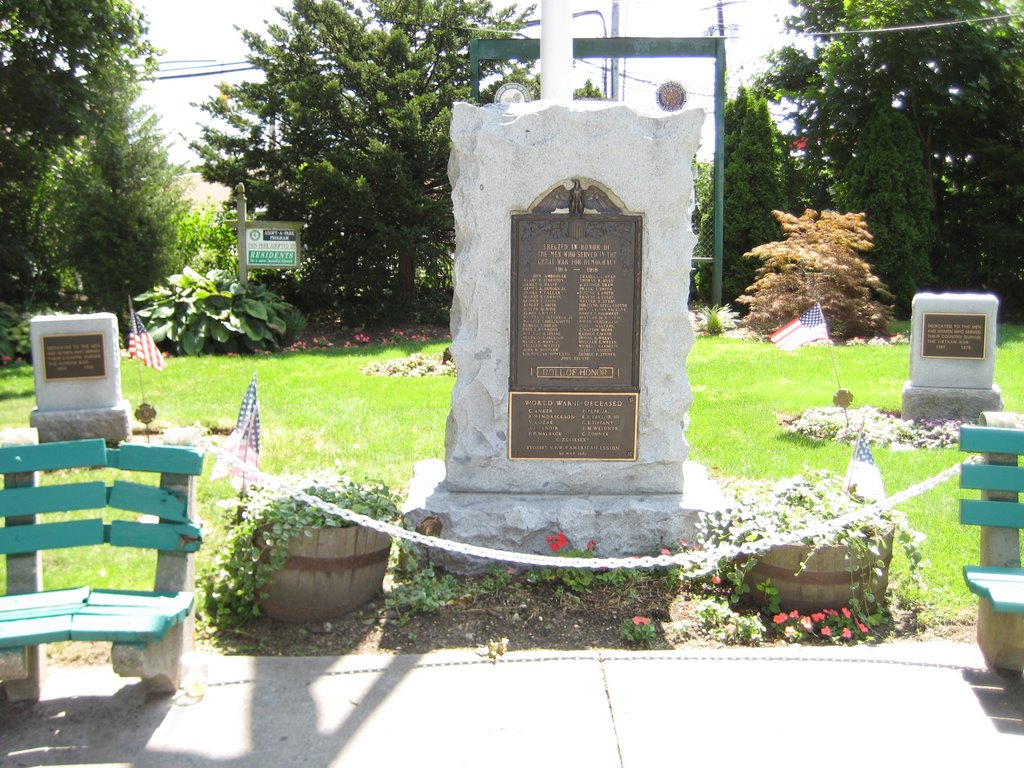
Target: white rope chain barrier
696,563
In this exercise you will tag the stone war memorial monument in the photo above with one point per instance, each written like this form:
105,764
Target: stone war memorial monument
952,357
77,368
569,332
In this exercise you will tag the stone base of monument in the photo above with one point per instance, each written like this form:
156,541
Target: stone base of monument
112,424
621,526
944,403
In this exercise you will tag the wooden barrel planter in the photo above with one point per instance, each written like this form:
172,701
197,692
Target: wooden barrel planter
825,581
327,574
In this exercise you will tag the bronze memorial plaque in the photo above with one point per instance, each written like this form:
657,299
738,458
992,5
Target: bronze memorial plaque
74,356
953,336
582,426
575,327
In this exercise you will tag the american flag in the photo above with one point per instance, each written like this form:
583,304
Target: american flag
863,478
810,326
243,444
141,345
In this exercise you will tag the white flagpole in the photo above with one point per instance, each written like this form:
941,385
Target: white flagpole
555,51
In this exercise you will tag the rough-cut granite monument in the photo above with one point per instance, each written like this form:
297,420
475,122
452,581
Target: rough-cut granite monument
77,367
569,331
952,357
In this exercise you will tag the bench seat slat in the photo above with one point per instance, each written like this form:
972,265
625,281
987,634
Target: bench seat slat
1000,514
992,477
130,617
146,500
976,439
35,630
34,500
166,537
15,459
179,460
43,600
22,539
1004,587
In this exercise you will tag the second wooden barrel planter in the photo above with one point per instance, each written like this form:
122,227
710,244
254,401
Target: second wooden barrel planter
329,572
826,580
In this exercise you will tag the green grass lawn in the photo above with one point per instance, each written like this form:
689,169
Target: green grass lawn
318,409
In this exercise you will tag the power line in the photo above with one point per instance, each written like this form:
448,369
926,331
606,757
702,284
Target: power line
205,74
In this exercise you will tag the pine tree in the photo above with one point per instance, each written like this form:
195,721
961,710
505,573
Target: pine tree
887,180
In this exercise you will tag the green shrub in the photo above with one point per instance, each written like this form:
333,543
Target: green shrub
215,314
267,520
14,335
716,320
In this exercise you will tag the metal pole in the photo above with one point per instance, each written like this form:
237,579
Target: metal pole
716,272
555,51
615,62
243,270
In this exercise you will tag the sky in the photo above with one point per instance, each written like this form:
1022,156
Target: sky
205,34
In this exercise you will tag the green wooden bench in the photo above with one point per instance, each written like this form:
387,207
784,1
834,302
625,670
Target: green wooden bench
148,629
999,579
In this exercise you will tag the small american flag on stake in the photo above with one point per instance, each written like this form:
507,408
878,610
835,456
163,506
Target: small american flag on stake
243,444
809,327
863,478
141,345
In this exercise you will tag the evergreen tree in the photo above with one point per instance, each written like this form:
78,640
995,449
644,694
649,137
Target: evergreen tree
348,132
115,208
753,189
59,64
886,179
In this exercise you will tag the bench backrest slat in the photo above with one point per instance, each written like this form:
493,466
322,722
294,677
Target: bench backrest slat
32,500
48,456
147,500
992,477
975,439
22,539
999,514
178,460
167,537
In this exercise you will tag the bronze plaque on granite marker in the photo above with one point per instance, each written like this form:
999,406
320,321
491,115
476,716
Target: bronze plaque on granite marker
953,336
575,329
587,426
575,309
75,356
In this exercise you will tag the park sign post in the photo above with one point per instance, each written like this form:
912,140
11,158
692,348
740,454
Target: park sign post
265,244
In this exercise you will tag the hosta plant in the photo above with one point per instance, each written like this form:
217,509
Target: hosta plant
194,314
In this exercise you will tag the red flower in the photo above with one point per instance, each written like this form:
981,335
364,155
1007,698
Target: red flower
780,618
862,628
847,634
716,580
557,541
826,631
641,621
665,552
806,623
592,545
818,616
846,613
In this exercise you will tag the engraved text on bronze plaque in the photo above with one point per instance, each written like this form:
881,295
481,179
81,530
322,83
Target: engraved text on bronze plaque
567,426
575,302
953,336
74,356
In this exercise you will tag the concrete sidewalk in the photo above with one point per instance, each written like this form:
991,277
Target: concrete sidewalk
777,706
